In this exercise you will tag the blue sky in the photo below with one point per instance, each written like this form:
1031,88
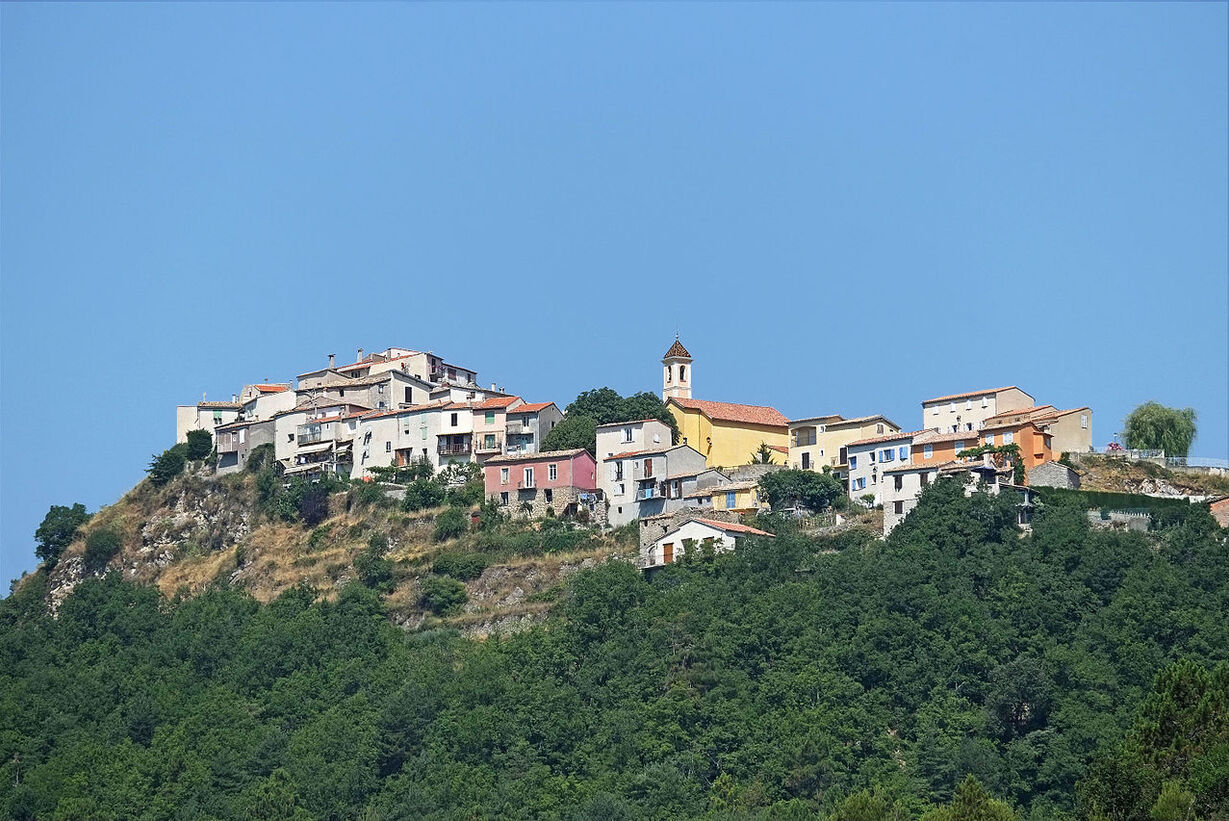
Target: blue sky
843,208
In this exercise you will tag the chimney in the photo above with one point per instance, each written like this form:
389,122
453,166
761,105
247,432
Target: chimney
360,355
234,397
332,359
492,386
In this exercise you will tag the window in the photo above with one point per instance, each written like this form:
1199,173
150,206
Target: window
552,473
528,477
853,462
861,483
524,423
388,447
1083,420
488,441
648,467
290,437
409,396
379,389
503,498
887,455
243,435
968,426
985,400
341,392
731,500
622,490
928,451
423,433
383,405
989,438
806,461
627,434
879,428
898,482
503,476
925,478
217,417
1008,437
968,404
898,507
959,445
904,452
823,428
452,420
682,373
550,496
489,418
872,455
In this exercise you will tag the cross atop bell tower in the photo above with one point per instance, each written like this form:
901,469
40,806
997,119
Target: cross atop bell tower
676,378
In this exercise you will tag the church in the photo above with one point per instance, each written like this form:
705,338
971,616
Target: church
728,434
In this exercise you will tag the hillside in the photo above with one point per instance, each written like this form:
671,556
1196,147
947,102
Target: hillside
1119,475
198,531
839,678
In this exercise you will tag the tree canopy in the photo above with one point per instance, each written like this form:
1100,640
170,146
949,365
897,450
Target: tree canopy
1152,426
792,488
57,531
602,406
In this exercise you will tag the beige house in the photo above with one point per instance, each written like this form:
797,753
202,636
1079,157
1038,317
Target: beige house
695,534
969,411
823,441
204,416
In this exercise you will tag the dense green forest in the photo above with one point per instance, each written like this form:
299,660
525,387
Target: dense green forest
1071,673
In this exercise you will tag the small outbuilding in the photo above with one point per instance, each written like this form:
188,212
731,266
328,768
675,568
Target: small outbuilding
1054,474
695,534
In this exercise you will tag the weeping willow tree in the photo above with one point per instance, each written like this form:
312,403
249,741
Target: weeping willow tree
1152,426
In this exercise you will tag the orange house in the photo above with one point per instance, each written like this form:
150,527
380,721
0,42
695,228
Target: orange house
1036,446
932,448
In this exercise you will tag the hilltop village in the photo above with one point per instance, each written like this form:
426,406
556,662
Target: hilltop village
401,406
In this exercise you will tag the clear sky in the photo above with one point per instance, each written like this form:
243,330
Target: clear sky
842,208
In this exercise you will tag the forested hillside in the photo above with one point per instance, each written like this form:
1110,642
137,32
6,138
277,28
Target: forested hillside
1072,673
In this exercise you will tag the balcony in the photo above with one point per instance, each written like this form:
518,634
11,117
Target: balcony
453,449
518,430
228,444
309,437
646,493
484,445
526,484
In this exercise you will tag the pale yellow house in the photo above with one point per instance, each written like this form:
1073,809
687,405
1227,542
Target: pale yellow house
735,497
823,441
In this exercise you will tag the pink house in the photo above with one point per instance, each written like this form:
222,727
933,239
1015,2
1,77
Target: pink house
563,480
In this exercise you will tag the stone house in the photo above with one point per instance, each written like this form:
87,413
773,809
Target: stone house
1054,474
561,481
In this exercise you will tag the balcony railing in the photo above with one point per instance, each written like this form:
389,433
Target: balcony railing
228,444
526,484
517,430
309,437
484,445
455,449
647,493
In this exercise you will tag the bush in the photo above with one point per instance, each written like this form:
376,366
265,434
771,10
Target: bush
200,445
470,493
101,546
367,494
167,465
423,493
451,523
261,457
464,566
442,595
314,505
374,571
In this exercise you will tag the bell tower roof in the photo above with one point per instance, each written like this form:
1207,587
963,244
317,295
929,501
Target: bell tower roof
677,350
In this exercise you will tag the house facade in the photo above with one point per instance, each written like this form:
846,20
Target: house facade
823,441
967,412
696,534
527,424
726,433
563,482
235,442
738,497
869,457
204,416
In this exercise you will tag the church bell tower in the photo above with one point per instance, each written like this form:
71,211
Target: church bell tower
676,376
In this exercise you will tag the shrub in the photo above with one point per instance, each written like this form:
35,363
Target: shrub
200,444
470,493
167,465
367,494
101,546
423,493
442,595
465,566
314,505
450,524
261,457
374,571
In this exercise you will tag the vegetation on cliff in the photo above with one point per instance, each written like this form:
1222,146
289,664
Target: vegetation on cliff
798,678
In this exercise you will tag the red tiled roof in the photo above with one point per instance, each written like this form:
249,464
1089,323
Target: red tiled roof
1028,412
497,402
271,388
629,453
887,437
779,448
677,349
732,527
1045,417
732,412
531,407
368,361
533,457
933,437
987,392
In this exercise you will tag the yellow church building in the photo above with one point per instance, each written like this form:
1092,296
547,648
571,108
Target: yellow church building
728,434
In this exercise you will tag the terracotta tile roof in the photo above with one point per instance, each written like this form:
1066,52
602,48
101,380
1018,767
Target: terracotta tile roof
654,451
497,402
732,412
533,457
835,417
271,388
1046,417
933,437
733,528
531,407
1035,410
987,392
862,420
779,448
677,349
221,405
887,437
905,468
